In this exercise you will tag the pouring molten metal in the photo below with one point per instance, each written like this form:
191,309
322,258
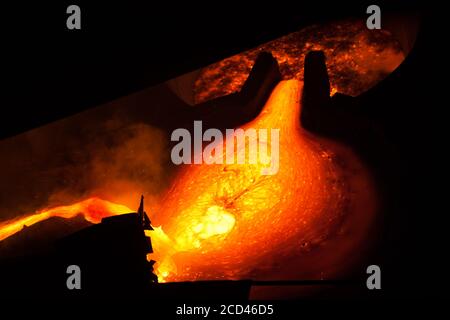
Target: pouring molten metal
232,222
310,220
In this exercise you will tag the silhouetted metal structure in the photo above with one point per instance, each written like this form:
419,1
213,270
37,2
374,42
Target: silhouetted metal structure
112,257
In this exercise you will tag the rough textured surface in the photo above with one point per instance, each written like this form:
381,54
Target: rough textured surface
357,59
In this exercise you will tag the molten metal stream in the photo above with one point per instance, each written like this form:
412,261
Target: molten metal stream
93,209
232,222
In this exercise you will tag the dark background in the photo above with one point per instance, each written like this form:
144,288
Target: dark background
53,72
49,72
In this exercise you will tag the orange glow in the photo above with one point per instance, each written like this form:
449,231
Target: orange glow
357,59
231,222
93,209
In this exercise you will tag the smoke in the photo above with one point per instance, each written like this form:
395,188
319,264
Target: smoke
127,163
103,152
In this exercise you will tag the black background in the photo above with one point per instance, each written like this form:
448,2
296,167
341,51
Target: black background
49,72
52,72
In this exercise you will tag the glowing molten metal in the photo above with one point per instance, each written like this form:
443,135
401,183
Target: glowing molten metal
231,222
93,209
